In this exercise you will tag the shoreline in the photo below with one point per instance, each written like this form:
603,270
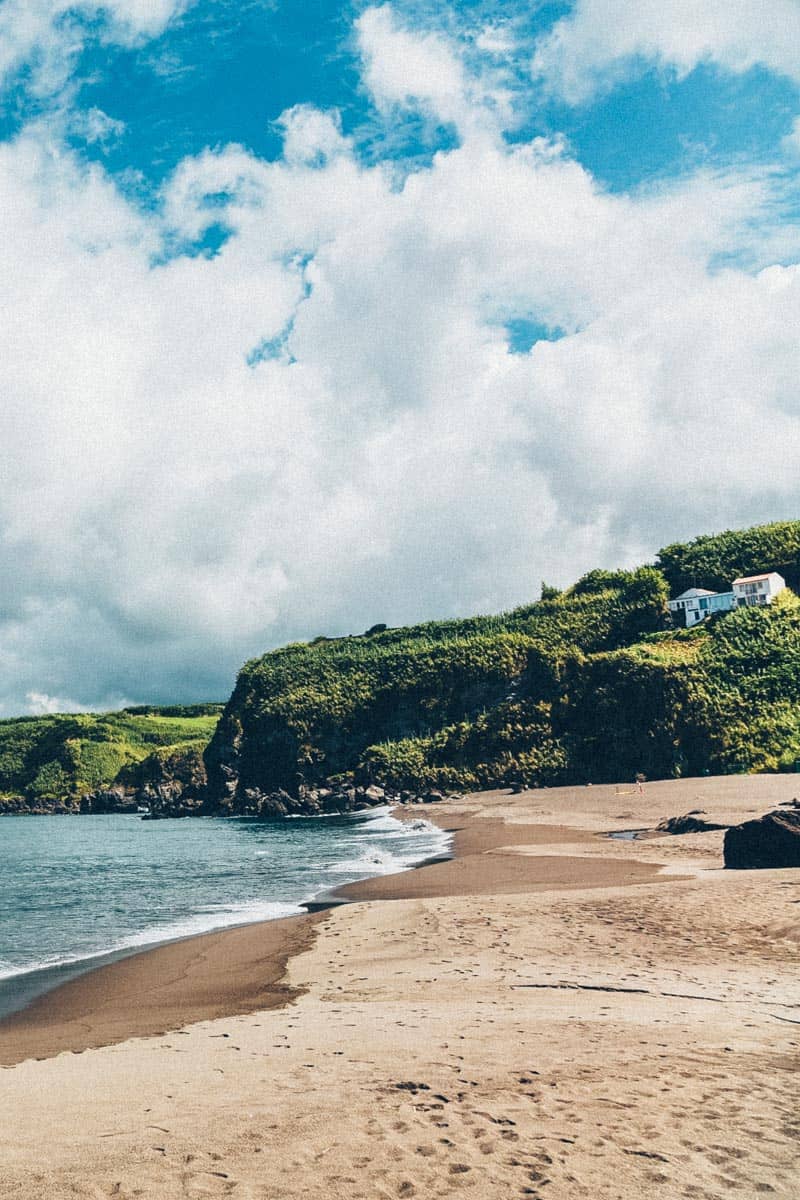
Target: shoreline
21,991
208,975
559,1015
238,969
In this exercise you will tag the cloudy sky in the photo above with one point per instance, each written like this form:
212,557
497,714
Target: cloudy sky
320,314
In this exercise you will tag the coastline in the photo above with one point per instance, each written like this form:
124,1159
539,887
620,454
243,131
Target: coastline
237,970
567,1037
26,991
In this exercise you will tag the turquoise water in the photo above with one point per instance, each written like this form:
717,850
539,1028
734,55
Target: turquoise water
75,890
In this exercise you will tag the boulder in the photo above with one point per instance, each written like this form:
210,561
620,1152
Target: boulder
771,841
374,794
689,823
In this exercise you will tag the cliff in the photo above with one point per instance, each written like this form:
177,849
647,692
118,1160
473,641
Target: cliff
593,684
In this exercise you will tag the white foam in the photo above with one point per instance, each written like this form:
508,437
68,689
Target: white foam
222,917
411,842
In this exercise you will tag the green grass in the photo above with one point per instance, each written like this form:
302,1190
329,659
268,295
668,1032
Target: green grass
590,684
593,683
62,756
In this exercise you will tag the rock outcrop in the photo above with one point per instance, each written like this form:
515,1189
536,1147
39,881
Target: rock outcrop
771,841
689,823
308,801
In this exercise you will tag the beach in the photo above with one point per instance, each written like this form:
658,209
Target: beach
554,1012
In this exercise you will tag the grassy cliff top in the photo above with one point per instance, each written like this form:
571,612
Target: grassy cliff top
66,754
595,682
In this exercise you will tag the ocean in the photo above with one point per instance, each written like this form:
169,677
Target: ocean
76,892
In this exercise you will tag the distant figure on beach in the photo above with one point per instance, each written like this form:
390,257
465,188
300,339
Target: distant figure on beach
639,782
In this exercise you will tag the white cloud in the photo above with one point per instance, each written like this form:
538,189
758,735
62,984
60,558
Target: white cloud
39,704
310,136
495,39
95,126
404,67
169,510
401,67
598,42
48,35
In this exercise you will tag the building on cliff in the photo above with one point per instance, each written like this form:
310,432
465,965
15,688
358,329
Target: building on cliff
696,604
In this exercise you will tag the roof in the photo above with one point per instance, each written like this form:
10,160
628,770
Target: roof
755,578
692,593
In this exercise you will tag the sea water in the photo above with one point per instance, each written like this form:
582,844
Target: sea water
78,891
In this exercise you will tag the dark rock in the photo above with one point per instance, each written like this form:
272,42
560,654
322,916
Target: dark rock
771,841
114,799
689,823
337,801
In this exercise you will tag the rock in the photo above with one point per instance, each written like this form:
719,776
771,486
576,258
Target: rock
771,841
336,802
374,794
114,799
433,797
689,823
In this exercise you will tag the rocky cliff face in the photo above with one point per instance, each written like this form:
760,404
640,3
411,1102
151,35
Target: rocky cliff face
169,783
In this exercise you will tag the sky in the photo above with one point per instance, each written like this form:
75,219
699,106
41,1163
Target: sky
317,315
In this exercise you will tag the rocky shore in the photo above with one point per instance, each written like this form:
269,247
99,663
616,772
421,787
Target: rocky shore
172,797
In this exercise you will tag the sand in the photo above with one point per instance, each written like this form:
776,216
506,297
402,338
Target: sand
552,1014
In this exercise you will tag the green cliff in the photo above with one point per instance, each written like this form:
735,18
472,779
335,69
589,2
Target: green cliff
592,684
63,761
595,683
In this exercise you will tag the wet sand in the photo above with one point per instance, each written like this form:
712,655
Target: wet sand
197,979
552,1014
239,970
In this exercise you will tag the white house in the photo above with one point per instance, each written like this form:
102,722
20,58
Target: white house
758,589
698,603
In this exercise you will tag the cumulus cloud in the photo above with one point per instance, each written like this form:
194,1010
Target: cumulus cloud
403,67
599,42
323,425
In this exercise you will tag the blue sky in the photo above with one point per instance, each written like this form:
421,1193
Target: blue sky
224,72
317,314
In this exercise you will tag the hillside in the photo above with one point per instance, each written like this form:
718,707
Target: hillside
51,762
593,684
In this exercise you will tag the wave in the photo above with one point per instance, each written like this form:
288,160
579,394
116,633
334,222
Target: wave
367,843
223,917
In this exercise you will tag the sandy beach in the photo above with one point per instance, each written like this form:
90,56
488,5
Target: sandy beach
553,1013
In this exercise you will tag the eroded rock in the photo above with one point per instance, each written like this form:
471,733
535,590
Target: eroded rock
770,841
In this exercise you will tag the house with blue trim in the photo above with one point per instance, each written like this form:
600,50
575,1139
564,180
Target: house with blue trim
695,604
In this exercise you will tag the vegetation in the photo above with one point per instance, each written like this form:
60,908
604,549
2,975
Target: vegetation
594,683
715,561
454,703
58,758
